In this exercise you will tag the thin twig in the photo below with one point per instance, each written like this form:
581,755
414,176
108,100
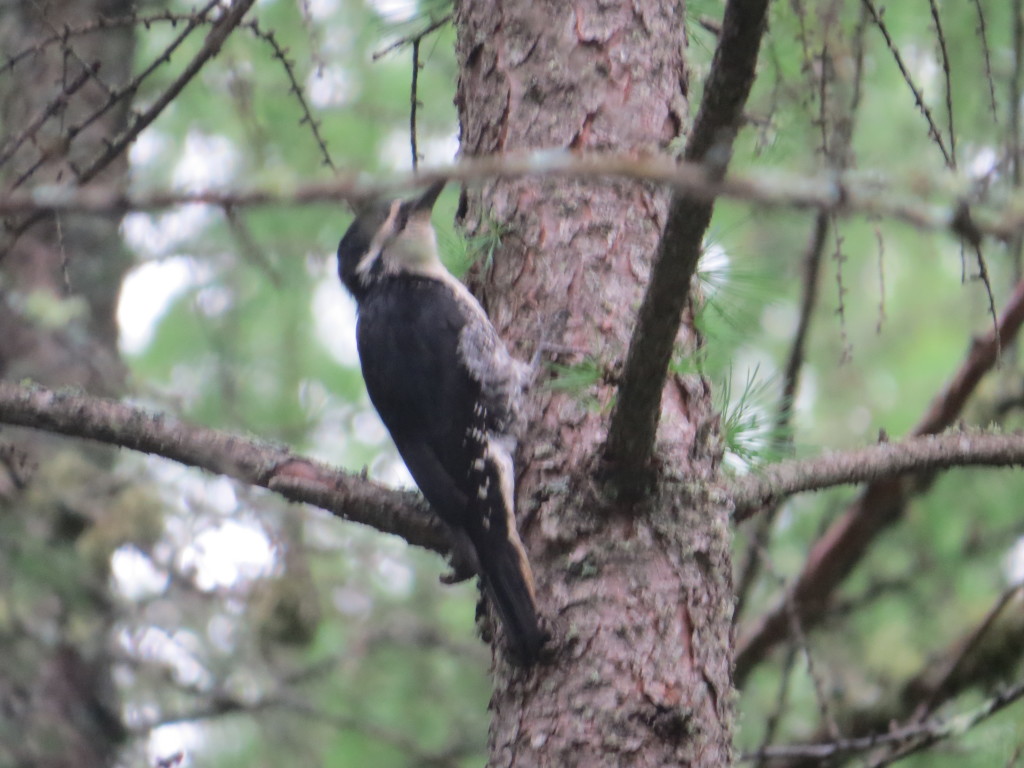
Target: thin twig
250,248
987,52
838,156
91,71
826,73
800,639
309,26
808,300
920,735
878,506
225,24
114,96
281,54
772,725
413,38
933,130
1013,135
880,242
31,128
414,102
955,726
839,258
190,20
977,660
947,80
953,665
983,276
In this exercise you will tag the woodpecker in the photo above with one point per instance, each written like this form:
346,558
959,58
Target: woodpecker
449,393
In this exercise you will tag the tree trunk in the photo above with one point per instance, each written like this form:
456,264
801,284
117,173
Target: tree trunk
638,591
59,283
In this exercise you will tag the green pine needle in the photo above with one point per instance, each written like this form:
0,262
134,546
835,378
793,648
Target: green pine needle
748,430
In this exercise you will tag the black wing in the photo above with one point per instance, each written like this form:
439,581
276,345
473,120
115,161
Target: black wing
447,423
408,345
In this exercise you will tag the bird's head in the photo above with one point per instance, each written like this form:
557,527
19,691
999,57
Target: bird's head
389,238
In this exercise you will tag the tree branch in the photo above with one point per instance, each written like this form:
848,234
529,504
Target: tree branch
977,660
228,20
634,421
878,462
225,704
910,738
350,497
839,193
878,506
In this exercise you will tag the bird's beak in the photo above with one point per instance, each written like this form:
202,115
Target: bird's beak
425,203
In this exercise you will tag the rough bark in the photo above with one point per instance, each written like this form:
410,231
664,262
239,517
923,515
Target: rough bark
59,283
639,593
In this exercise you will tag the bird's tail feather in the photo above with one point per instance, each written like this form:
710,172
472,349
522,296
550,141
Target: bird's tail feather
508,583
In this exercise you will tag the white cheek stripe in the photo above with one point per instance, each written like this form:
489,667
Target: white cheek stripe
367,261
377,244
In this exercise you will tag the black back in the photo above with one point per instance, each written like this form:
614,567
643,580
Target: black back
408,330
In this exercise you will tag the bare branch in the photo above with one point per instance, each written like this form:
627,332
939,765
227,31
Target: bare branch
281,54
882,461
115,95
224,704
949,672
413,103
987,52
229,19
8,150
190,22
416,37
947,80
878,506
910,738
844,194
296,478
977,660
933,129
634,421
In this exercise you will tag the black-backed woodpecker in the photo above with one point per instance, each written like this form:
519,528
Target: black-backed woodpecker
448,391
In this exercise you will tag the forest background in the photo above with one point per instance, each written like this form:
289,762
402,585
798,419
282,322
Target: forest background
865,244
